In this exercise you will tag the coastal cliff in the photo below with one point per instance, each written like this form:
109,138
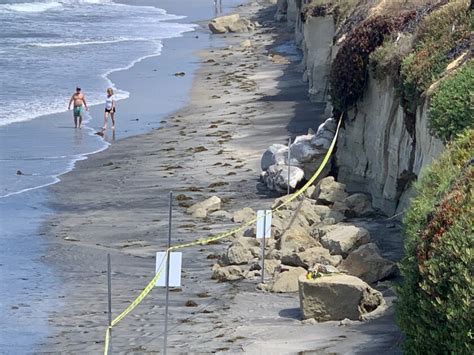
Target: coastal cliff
380,151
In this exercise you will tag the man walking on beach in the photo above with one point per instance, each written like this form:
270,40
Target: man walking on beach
79,101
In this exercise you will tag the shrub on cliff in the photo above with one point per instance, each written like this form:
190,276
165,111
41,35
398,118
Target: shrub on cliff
348,74
434,307
441,36
451,108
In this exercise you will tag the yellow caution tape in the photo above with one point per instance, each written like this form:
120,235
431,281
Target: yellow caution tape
204,241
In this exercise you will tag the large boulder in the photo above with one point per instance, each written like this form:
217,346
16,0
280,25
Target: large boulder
358,205
230,23
337,297
269,156
287,280
365,262
310,257
328,215
241,251
205,207
325,134
243,215
329,191
341,239
227,273
276,177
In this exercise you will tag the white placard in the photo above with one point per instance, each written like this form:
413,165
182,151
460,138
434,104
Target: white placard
175,269
264,220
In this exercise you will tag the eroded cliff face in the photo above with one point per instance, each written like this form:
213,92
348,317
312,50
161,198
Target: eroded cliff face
376,152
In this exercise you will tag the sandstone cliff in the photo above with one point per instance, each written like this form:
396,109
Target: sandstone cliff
376,152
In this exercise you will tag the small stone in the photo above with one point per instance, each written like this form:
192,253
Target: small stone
191,303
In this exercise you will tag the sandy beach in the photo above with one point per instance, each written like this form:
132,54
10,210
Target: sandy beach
243,99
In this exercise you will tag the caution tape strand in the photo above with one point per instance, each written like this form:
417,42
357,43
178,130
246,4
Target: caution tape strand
204,241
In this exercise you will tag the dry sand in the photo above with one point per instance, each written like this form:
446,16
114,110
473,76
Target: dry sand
116,202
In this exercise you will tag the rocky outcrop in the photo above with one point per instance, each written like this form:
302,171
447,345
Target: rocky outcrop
230,23
337,297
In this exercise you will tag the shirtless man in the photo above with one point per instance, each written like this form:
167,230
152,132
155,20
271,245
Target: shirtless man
79,101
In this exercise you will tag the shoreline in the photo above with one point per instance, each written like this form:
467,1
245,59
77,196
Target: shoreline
26,304
242,100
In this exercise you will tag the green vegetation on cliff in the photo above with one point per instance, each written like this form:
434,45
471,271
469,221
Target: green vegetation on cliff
435,299
441,36
451,106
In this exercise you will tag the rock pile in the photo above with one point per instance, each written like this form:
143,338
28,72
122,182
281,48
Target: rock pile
307,234
306,154
231,23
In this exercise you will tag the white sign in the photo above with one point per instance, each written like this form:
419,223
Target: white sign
264,221
175,269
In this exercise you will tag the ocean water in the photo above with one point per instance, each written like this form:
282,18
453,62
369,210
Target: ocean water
47,48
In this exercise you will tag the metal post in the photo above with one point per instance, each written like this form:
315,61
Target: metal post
168,255
289,164
263,245
109,291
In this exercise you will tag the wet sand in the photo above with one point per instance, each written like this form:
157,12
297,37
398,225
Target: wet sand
243,99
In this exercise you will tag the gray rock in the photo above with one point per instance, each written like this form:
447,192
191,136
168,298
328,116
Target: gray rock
239,252
209,205
227,273
336,297
365,262
243,215
330,191
358,205
287,280
305,152
230,23
199,213
276,177
341,239
310,257
223,215
326,213
268,157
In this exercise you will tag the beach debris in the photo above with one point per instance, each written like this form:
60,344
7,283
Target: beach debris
337,297
100,133
190,303
180,73
230,23
366,263
200,149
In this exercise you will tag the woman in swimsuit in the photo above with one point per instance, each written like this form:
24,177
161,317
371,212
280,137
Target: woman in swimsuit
109,108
